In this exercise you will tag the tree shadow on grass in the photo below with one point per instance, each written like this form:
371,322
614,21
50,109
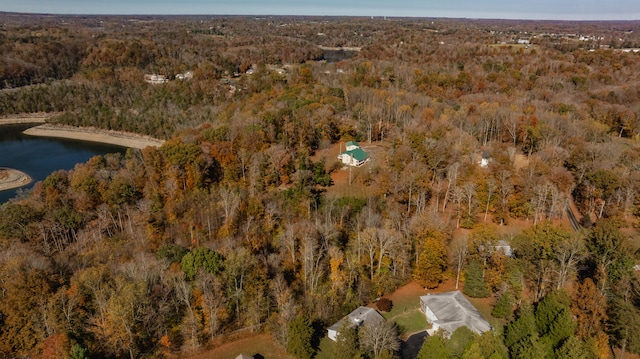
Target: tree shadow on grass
411,347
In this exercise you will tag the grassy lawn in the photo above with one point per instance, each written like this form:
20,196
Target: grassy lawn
406,311
326,349
485,308
410,322
403,304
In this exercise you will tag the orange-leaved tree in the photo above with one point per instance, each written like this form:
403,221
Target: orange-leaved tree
431,262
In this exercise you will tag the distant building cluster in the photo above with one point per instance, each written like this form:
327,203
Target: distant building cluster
185,76
156,79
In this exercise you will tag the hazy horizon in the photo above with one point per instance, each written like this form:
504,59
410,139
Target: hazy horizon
481,9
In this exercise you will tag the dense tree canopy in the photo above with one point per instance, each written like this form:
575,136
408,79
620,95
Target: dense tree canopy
245,221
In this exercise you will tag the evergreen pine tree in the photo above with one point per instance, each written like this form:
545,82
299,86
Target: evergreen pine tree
460,341
522,327
549,308
553,318
300,335
77,351
528,347
434,347
491,345
504,306
573,348
347,343
473,352
474,285
625,325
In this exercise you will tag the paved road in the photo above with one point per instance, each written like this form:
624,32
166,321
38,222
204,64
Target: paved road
572,219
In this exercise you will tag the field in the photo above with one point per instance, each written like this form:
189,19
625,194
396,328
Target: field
406,310
254,345
346,180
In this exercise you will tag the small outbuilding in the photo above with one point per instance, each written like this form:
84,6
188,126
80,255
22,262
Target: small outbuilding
484,161
450,311
504,247
360,316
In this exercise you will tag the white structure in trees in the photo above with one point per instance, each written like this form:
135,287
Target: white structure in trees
360,316
354,155
450,311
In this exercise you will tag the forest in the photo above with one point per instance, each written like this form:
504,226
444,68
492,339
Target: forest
244,221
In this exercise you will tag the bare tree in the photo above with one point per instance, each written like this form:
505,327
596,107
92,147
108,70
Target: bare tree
452,178
312,253
459,251
458,196
469,193
568,253
539,200
491,187
386,240
370,241
184,293
505,190
230,202
213,300
380,337
286,306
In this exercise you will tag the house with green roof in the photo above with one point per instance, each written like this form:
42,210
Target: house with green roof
354,155
352,145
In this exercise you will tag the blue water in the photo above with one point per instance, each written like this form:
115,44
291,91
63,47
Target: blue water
40,156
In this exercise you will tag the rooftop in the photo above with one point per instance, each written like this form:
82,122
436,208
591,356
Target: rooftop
358,154
359,316
453,310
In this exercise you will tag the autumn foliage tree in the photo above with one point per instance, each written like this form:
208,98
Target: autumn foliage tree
243,218
431,261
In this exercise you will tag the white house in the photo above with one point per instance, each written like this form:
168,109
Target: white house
360,316
155,79
503,246
450,311
354,155
484,161
185,76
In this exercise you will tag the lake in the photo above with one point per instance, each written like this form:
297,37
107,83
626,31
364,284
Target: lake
40,156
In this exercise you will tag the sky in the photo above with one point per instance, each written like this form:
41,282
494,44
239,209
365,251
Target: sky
494,9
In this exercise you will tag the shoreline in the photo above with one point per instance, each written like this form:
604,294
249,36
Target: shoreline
26,118
11,178
124,139
91,134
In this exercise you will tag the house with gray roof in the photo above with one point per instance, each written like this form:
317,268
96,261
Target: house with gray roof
450,311
354,155
360,316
